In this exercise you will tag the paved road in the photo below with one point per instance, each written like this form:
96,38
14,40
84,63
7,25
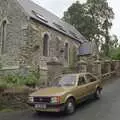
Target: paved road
108,108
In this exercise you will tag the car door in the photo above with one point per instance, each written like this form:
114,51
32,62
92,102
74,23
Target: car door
81,88
91,83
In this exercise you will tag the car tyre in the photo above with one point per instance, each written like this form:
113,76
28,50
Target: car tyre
98,93
70,106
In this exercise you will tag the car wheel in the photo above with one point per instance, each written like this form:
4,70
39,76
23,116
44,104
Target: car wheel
70,106
98,93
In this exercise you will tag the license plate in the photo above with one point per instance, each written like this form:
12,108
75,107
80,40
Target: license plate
40,106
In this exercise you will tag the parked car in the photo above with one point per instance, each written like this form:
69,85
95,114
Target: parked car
66,92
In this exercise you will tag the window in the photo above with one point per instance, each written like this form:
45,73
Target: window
3,36
58,47
57,44
81,81
45,45
90,78
66,52
41,17
66,80
59,27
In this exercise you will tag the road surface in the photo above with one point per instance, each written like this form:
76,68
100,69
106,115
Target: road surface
108,108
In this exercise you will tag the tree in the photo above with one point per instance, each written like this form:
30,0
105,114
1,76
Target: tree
93,19
115,53
102,15
114,42
78,16
113,45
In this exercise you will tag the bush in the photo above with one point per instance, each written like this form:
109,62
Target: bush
3,86
115,53
30,80
14,79
9,81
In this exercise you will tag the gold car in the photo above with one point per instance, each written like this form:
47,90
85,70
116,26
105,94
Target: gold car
68,91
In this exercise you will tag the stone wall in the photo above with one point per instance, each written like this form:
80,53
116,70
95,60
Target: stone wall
102,69
24,41
32,52
37,32
16,31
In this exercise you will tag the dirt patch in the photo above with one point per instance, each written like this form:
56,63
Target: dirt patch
15,98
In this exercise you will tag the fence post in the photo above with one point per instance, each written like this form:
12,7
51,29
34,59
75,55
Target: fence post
117,67
82,66
98,68
55,68
109,67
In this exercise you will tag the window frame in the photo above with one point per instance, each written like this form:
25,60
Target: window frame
3,35
58,45
39,16
92,76
66,60
47,55
84,80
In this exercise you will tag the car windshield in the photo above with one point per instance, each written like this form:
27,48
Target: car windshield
66,80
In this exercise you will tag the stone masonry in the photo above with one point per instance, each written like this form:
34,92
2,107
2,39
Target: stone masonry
23,40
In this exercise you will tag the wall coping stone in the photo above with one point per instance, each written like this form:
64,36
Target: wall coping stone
82,62
9,68
98,61
108,61
54,61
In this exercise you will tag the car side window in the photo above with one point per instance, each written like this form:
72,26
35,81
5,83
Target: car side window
81,81
90,78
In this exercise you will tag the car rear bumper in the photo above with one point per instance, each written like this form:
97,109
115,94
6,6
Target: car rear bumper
49,107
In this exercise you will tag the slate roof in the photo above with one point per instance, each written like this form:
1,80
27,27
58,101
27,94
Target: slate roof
45,17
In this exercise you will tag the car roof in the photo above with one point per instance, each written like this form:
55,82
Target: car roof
78,74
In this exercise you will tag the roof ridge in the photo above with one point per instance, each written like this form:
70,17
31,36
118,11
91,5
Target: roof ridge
41,12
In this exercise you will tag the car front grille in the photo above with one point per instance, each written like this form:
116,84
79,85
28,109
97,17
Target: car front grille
42,99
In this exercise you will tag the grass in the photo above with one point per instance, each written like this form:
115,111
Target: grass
7,110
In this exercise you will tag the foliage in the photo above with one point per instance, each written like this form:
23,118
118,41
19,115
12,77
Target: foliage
115,53
8,81
30,80
78,16
113,45
3,85
93,19
114,41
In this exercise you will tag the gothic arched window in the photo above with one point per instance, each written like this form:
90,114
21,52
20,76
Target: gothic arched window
3,36
66,55
46,45
58,42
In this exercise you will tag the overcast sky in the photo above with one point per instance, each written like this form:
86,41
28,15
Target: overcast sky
59,6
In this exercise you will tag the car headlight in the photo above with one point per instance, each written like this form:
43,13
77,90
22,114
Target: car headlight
55,100
31,99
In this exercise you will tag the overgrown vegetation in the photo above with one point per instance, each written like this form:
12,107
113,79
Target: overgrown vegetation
15,88
115,53
11,80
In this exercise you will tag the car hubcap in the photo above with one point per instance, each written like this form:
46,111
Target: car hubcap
70,107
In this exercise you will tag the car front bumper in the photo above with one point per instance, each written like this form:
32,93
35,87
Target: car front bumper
49,107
